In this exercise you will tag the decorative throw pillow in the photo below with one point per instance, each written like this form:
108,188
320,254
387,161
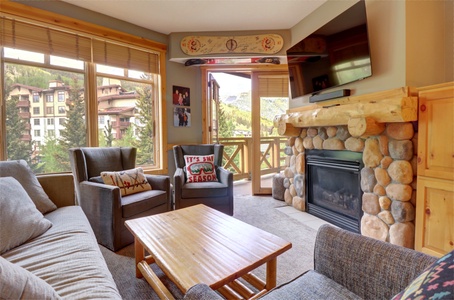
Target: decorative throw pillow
129,181
20,170
20,221
436,282
200,168
18,283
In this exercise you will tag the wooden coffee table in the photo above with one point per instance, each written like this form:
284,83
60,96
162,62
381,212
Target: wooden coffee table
199,244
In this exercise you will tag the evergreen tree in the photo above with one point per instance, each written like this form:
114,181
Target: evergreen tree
144,144
74,134
54,157
15,127
108,136
226,127
127,139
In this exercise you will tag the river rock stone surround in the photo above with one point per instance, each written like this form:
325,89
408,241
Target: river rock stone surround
388,179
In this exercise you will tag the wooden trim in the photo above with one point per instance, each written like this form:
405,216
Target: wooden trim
205,118
59,21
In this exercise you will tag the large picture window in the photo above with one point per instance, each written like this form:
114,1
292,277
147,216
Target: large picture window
44,64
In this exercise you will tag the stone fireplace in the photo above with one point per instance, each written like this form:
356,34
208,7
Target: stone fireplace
381,129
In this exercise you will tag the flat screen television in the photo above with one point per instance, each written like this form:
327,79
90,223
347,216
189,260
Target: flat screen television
335,54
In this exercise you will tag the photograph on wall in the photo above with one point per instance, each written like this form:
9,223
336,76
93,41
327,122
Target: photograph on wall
181,96
181,116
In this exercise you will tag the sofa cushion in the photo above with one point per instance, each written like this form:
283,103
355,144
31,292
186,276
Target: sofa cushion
129,181
436,282
67,257
310,285
200,168
20,170
18,283
20,221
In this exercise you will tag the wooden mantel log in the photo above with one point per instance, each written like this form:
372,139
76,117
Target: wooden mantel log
390,110
365,127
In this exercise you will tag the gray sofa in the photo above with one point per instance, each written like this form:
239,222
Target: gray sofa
63,262
346,266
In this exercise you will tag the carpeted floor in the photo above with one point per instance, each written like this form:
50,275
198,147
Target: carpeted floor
256,210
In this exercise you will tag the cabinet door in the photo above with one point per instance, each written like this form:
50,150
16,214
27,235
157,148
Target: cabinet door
436,133
434,216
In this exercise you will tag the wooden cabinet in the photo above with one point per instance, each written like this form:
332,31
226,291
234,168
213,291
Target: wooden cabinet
435,186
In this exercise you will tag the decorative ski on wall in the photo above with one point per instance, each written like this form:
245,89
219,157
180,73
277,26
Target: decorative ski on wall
257,44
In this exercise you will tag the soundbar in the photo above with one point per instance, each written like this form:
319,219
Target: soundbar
330,95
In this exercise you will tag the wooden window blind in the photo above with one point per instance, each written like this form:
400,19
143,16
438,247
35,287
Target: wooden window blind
273,85
20,35
31,37
114,55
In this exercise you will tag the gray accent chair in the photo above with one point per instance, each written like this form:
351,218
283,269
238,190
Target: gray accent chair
103,204
218,195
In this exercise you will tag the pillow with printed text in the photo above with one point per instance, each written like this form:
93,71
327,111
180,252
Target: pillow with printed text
200,168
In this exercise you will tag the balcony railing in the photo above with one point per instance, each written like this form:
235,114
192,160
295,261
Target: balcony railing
238,155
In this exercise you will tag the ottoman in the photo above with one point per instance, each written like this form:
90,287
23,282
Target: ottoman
278,188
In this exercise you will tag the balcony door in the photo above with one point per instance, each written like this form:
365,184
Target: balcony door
252,149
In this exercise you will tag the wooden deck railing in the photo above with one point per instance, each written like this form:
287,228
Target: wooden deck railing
238,154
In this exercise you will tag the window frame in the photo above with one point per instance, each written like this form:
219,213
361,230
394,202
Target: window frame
60,22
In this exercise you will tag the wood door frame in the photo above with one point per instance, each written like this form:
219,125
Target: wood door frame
256,184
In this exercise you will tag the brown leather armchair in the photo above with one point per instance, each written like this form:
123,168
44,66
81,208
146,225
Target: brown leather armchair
218,195
105,207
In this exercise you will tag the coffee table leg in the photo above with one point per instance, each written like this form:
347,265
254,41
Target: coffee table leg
271,274
140,255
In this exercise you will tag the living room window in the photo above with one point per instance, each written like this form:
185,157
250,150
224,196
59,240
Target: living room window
81,71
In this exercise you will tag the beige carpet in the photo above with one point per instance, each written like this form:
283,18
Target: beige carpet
256,210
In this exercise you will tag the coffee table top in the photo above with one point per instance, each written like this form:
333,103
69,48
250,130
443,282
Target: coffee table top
199,244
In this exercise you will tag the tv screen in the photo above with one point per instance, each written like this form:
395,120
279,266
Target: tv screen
335,54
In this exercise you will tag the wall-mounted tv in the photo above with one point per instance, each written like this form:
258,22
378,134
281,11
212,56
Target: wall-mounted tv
335,54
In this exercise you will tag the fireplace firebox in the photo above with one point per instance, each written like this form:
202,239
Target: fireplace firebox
333,187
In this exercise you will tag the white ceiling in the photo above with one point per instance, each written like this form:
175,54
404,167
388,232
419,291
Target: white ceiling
167,16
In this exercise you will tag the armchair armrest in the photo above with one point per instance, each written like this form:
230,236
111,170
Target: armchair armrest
100,201
178,178
225,176
178,182
101,204
59,188
159,182
370,268
162,183
97,192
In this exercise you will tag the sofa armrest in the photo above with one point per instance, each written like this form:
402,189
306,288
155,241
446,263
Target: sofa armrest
201,291
59,188
370,268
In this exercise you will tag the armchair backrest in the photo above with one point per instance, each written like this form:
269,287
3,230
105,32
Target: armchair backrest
180,151
88,162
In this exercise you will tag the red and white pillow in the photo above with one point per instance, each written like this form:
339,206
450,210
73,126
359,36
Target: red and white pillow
200,168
